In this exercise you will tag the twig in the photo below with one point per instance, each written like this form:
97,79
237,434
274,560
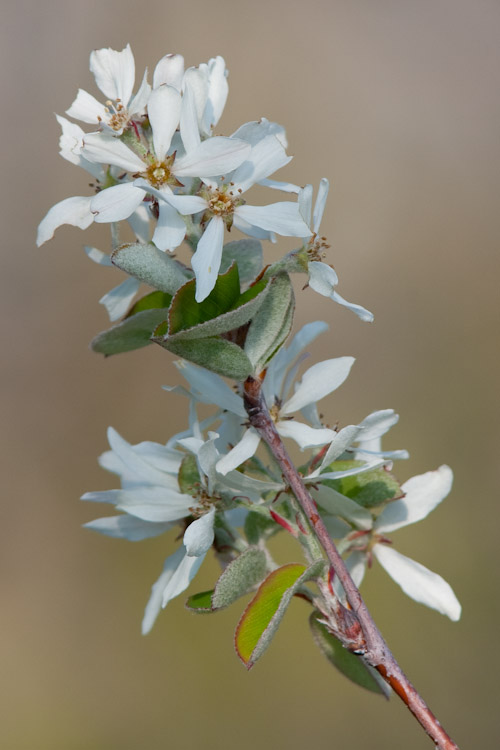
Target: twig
374,648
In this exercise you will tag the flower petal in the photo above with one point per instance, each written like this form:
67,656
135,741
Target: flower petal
317,382
323,279
87,109
170,230
199,535
242,451
305,436
210,388
178,572
116,203
114,72
283,218
319,206
422,494
215,156
127,527
216,94
164,110
169,70
118,300
418,582
75,211
106,149
137,105
266,157
207,258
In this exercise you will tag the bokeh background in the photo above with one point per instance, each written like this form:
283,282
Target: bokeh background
397,102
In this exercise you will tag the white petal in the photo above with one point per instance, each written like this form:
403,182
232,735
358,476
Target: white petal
190,132
377,424
75,211
87,109
102,259
138,104
255,131
246,228
368,466
266,157
118,300
116,203
422,494
215,156
283,218
340,442
323,279
304,436
104,149
127,527
209,388
135,463
199,535
154,504
244,450
114,72
217,94
319,206
164,110
305,203
196,80
169,70
207,258
273,383
285,187
184,204
418,582
139,222
178,572
170,229
317,382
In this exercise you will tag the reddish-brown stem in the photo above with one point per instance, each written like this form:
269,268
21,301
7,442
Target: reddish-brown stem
375,650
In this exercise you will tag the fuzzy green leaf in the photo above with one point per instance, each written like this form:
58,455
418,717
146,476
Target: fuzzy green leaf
262,617
258,526
150,301
239,577
200,603
215,354
369,489
352,666
272,323
248,255
188,476
225,309
150,265
132,333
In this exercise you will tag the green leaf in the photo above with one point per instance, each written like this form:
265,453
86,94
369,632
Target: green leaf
272,323
186,313
369,489
188,476
149,302
240,577
150,265
261,618
248,255
352,666
224,310
201,602
132,333
215,354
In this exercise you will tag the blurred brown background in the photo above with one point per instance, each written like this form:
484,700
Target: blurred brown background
398,104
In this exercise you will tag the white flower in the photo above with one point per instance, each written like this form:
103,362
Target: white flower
322,277
223,206
158,167
115,76
152,501
421,495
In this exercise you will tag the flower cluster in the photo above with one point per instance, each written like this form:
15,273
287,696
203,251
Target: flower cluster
155,161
